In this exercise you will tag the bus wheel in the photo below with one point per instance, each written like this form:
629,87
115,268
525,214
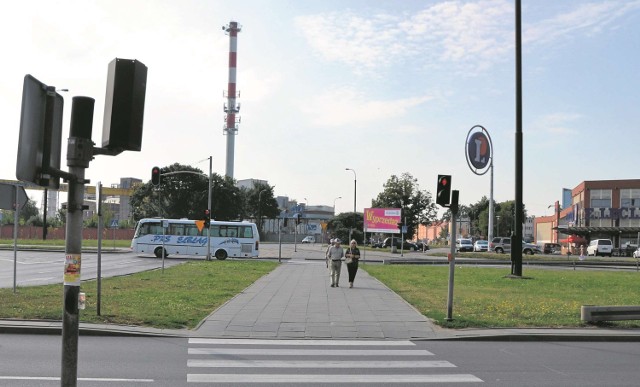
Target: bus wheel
221,255
158,252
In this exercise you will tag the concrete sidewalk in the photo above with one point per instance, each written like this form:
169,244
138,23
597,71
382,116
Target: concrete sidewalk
295,301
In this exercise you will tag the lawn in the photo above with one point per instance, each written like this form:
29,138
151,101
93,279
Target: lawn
483,297
179,298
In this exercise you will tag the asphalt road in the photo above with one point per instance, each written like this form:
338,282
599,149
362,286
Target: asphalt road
42,267
32,360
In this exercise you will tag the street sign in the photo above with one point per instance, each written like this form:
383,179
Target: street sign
114,223
8,196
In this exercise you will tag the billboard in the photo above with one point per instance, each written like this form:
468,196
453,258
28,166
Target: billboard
382,220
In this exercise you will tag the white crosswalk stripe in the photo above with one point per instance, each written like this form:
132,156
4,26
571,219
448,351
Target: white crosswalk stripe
248,362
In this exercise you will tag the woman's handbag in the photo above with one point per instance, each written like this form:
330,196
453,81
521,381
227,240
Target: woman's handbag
348,260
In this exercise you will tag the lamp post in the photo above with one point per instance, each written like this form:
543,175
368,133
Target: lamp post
260,210
334,204
498,224
354,198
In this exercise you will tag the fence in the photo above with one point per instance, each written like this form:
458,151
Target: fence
33,232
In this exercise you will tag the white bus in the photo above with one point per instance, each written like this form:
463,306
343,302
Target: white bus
182,237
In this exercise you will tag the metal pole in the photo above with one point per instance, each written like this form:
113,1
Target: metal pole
452,266
79,153
279,241
44,215
16,219
100,227
516,240
209,206
491,210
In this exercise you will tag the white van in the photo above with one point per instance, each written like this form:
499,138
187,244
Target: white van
602,247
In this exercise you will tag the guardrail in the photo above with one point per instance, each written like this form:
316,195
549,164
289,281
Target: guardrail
609,313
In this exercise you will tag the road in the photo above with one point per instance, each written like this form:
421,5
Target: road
43,267
32,360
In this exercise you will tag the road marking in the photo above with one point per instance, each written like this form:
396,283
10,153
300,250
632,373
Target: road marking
271,378
316,364
196,340
308,352
54,378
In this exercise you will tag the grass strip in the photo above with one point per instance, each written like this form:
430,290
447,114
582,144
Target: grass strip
178,298
483,297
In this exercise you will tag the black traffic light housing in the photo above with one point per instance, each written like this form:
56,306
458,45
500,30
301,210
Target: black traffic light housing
207,218
298,218
155,176
443,192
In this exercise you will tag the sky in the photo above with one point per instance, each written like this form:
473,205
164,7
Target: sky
381,87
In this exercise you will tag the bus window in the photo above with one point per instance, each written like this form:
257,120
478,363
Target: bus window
215,230
246,232
150,229
176,229
192,230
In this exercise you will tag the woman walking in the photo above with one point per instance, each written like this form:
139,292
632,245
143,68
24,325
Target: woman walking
352,256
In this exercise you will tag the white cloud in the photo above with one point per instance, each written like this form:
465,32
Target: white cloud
471,36
345,106
558,123
590,18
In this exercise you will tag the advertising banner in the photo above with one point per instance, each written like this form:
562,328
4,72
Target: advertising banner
382,220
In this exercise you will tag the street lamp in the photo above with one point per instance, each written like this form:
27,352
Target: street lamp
354,196
334,204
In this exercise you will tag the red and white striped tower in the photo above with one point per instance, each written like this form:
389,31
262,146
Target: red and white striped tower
231,108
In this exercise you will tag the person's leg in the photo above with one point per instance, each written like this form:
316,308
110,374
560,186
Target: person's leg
338,269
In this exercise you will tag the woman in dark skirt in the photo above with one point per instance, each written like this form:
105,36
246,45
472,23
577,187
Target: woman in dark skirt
352,256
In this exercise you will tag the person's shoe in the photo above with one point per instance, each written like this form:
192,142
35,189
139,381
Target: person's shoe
350,284
337,286
333,286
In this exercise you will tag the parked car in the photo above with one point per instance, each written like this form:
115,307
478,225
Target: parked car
636,254
464,244
406,245
551,248
602,247
309,239
503,245
481,245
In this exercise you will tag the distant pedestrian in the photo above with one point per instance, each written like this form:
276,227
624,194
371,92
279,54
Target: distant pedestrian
326,253
352,256
335,255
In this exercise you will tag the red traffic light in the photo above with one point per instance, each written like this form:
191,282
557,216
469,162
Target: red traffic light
443,192
155,176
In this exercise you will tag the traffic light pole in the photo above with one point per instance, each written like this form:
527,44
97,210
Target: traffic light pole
452,254
79,153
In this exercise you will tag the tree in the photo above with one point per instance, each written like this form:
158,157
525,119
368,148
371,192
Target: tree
342,224
403,192
184,195
28,215
259,203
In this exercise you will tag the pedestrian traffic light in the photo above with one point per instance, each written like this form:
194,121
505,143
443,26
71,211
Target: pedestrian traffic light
400,226
207,218
443,193
297,218
155,176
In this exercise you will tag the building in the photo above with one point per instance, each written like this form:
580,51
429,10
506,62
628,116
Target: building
607,209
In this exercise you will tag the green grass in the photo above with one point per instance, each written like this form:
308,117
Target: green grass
483,297
179,298
106,243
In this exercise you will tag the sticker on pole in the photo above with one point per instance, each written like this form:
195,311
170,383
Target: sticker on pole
72,265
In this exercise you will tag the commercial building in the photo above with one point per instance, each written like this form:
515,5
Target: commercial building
607,209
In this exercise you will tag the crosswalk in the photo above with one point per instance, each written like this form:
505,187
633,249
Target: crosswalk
316,362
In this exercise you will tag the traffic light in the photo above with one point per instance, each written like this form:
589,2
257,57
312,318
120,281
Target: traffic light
155,176
399,226
207,218
298,218
443,193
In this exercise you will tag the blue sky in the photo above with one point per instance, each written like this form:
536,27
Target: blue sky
383,87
